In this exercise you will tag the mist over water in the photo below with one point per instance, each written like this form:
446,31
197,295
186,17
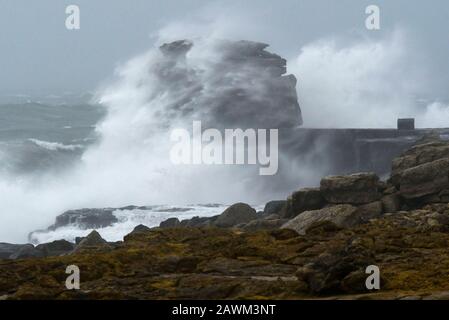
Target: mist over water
365,83
360,83
129,163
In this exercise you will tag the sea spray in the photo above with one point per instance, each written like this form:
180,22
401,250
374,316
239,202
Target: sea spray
225,84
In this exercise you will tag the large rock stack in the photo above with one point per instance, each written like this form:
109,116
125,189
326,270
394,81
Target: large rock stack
237,84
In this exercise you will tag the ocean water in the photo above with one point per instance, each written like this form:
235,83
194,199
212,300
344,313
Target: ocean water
37,138
59,157
41,142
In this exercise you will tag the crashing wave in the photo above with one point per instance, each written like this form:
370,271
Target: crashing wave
55,146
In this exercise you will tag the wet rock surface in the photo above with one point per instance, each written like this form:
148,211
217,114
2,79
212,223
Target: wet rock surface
220,263
303,200
357,188
419,154
8,249
274,207
234,215
320,253
230,102
426,179
85,218
93,242
56,248
343,215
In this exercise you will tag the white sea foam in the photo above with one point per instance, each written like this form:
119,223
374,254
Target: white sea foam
55,146
130,165
128,220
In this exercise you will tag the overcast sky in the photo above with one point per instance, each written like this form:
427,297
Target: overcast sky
39,56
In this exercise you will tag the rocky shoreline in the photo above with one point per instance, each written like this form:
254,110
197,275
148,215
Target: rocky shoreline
315,244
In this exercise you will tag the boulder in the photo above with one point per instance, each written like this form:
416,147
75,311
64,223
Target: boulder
274,207
359,188
426,179
342,216
27,251
93,241
170,223
197,222
141,228
418,155
56,248
137,230
85,219
303,200
263,224
7,249
236,214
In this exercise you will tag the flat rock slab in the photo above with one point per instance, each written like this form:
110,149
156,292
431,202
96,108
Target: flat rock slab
357,188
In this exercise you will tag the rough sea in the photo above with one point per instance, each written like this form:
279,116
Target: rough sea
40,142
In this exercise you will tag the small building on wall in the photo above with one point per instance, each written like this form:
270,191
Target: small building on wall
406,124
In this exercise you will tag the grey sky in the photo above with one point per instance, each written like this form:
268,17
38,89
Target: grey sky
39,56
